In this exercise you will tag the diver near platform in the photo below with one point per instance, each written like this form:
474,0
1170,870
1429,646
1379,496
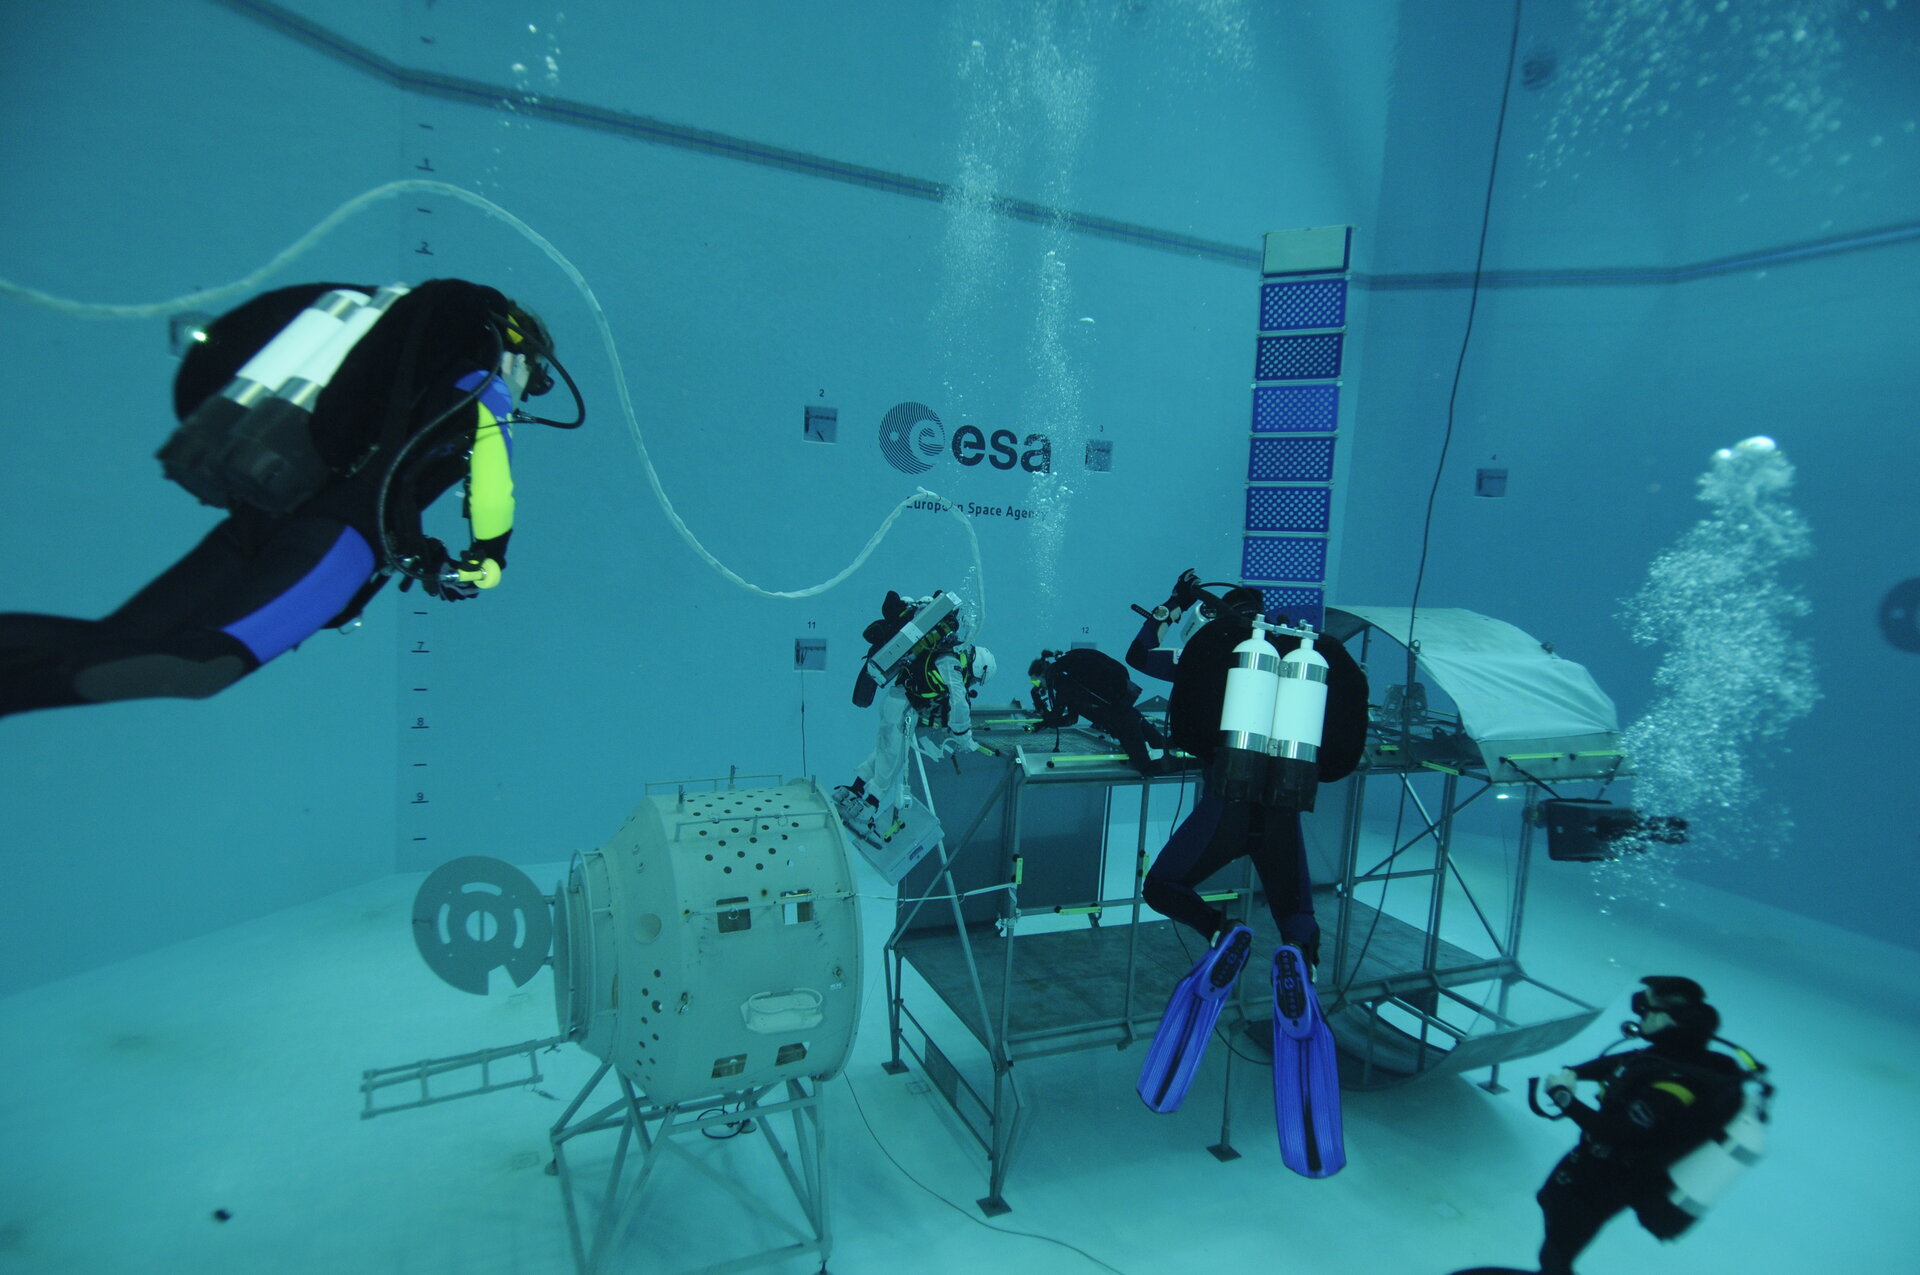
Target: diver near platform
931,675
1675,1126
1226,826
1269,716
1070,685
324,418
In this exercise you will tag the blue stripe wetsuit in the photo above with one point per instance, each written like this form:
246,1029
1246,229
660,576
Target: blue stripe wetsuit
259,584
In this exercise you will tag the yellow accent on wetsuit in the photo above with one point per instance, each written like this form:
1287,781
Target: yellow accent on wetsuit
1684,1094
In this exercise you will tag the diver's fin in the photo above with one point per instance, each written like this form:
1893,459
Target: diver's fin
1306,1075
1181,1040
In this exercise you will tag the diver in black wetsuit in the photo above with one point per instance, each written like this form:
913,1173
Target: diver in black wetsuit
424,399
1656,1105
1220,831
1069,685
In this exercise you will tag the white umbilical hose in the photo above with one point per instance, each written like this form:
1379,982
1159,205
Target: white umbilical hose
213,296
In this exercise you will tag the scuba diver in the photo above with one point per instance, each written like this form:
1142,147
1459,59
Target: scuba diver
931,675
1270,717
1069,685
1155,649
1673,1127
1221,830
324,418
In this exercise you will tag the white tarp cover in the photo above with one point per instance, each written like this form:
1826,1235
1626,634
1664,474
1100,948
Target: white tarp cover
1514,696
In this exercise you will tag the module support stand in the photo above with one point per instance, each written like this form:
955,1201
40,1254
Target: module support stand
1004,1114
1223,1150
656,1129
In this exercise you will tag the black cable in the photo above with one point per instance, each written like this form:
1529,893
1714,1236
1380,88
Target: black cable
1439,469
803,722
1386,883
1028,1235
1459,369
391,560
734,1128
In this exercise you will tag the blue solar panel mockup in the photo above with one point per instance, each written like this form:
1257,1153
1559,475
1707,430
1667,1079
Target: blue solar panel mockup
1289,509
1296,602
1290,460
1284,558
1296,409
1299,356
1293,307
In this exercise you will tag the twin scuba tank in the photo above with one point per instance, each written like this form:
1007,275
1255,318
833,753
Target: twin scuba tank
1271,721
252,443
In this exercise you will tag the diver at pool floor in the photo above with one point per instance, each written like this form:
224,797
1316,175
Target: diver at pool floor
324,418
1672,1129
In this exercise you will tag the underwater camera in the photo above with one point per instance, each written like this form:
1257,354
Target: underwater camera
1591,830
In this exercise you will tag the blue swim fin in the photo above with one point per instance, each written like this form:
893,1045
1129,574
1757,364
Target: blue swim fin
1306,1075
1181,1040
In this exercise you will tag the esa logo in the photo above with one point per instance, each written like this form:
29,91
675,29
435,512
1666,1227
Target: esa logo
912,438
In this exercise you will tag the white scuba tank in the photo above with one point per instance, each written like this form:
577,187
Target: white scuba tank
251,443
282,357
1299,720
1246,719
303,387
1703,1175
195,455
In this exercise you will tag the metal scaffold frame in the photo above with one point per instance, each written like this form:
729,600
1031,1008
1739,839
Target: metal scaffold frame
1396,992
1136,952
1399,1010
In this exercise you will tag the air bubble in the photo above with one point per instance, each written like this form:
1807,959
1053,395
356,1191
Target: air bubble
1732,675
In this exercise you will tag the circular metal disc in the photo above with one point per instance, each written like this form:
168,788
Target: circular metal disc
475,915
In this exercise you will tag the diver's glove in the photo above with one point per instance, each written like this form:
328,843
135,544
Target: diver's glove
420,558
449,587
472,573
1559,1087
1186,591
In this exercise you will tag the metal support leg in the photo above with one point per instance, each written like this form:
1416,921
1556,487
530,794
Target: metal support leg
890,962
656,1130
1223,1150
